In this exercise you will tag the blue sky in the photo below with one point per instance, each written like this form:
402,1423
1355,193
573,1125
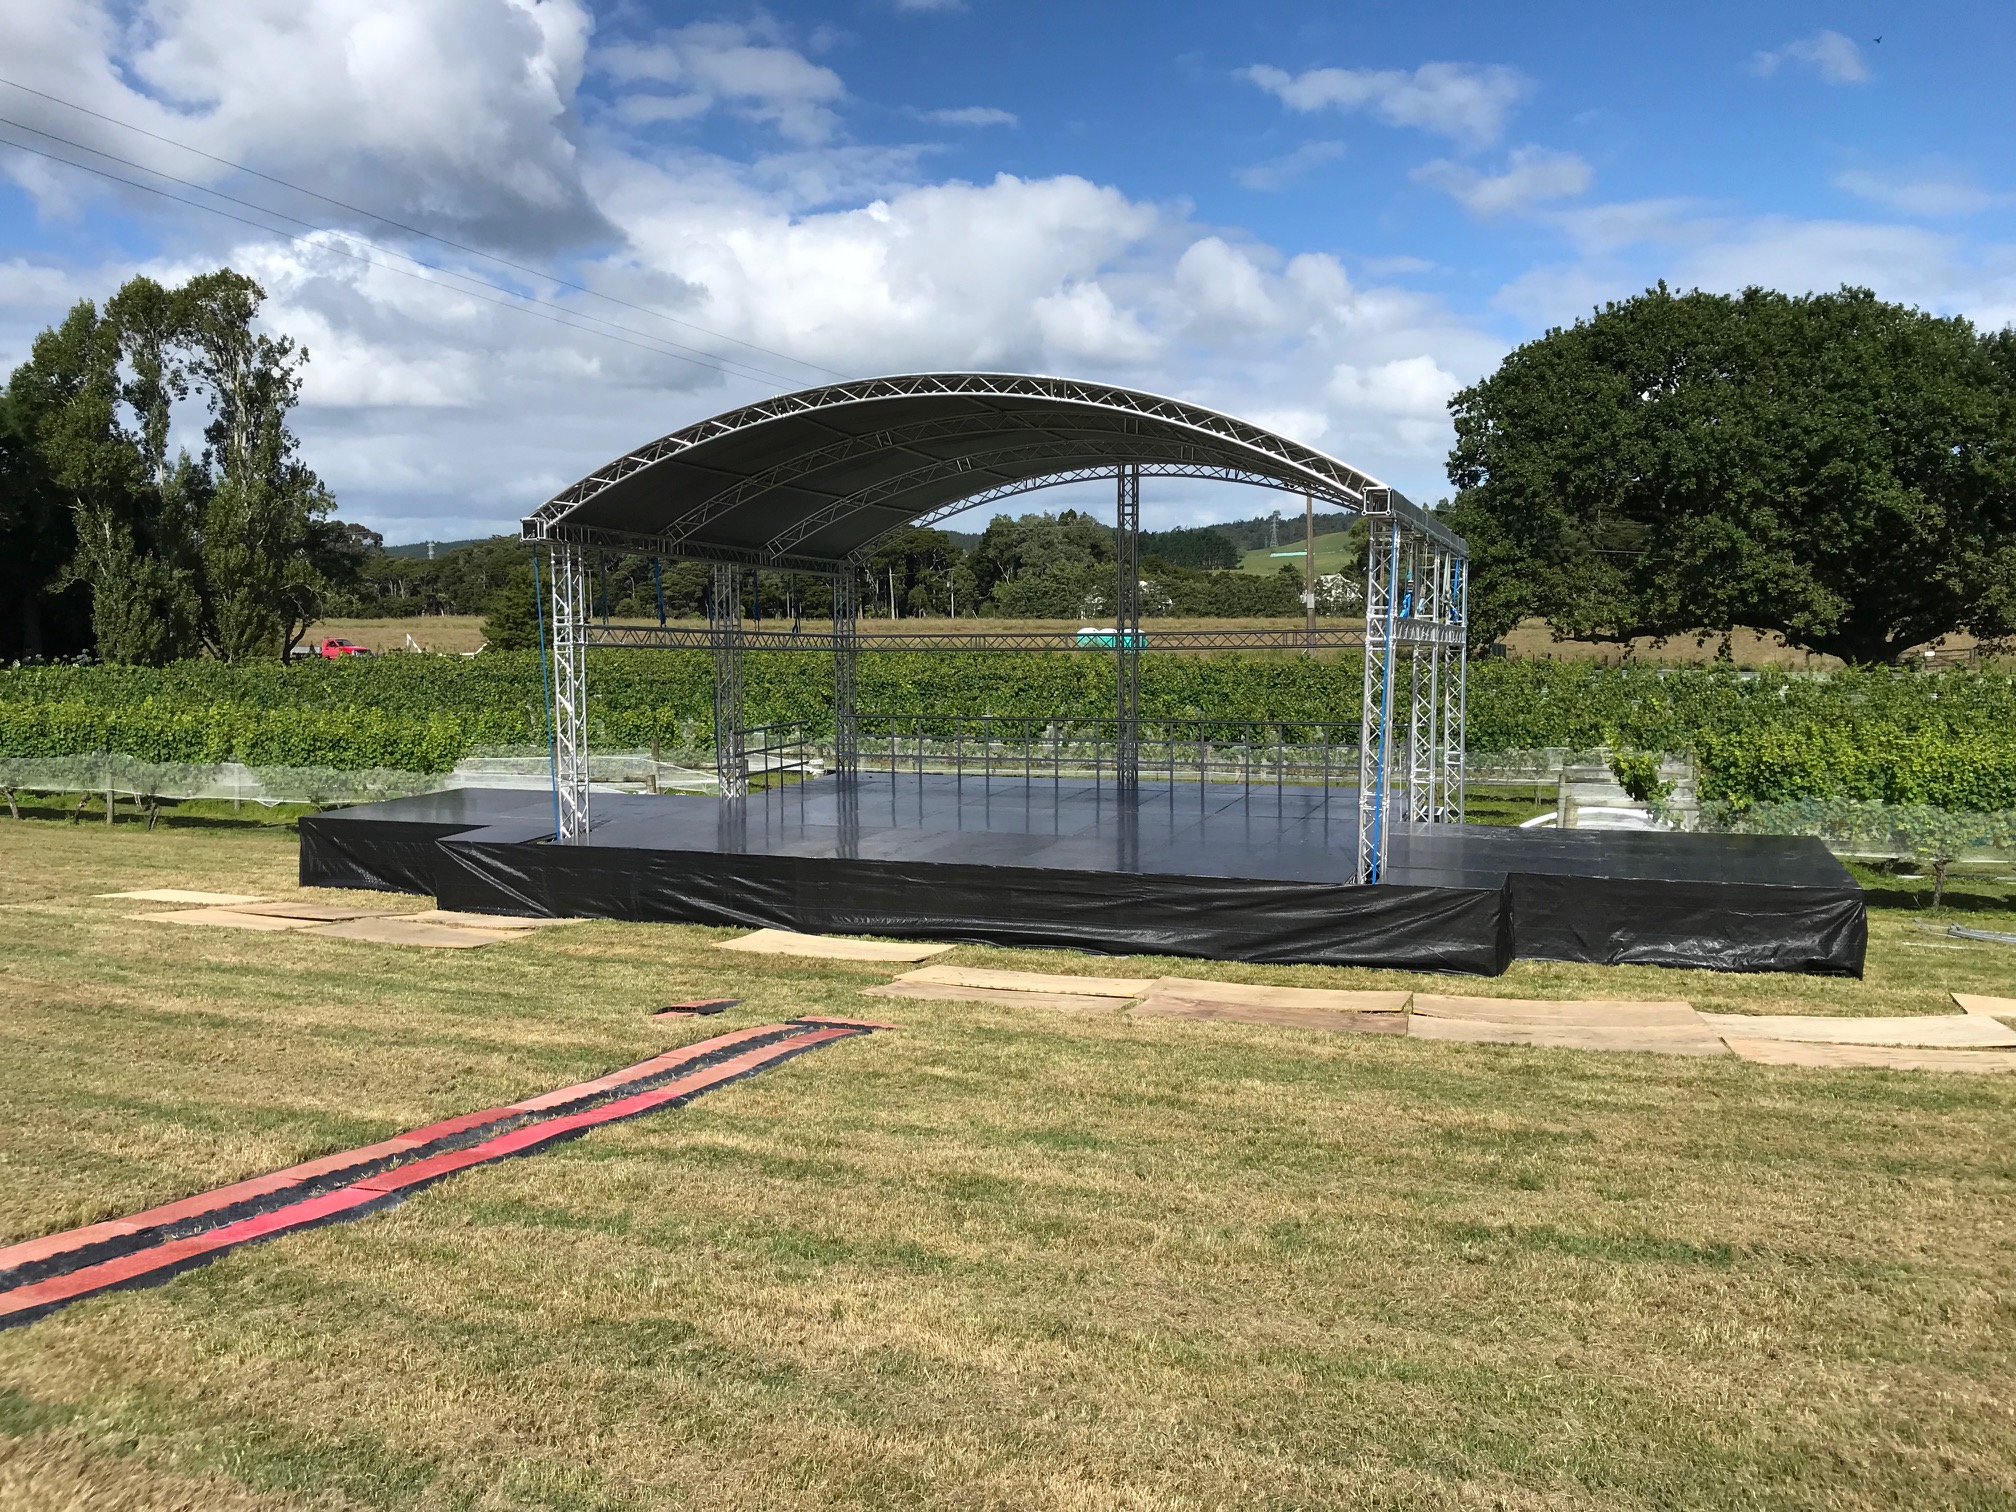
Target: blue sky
1327,219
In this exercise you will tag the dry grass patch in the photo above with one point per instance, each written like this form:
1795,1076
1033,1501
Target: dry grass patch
998,1258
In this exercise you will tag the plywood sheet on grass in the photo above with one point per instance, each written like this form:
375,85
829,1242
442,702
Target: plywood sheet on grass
455,918
307,913
1952,1030
1056,1002
225,918
830,947
1769,1052
1030,981
1327,1020
1653,1039
1592,1012
403,929
1266,995
1993,1007
185,895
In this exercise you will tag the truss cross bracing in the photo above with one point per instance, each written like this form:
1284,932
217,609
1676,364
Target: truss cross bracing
814,481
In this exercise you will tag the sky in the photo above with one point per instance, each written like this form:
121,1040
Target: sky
1325,218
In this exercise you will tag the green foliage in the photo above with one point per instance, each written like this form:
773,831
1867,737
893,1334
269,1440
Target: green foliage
1830,466
1202,547
1945,738
1637,772
224,550
513,621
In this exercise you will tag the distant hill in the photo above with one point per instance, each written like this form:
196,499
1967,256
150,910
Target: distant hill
441,548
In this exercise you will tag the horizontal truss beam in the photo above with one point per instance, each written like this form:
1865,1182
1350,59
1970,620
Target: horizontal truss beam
672,637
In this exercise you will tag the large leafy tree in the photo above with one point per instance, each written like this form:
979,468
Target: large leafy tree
230,550
1832,467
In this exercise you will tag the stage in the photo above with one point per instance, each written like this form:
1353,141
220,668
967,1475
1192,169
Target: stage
1220,871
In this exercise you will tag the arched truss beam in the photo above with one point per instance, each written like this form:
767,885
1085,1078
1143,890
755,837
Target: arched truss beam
1299,466
1212,471
1078,457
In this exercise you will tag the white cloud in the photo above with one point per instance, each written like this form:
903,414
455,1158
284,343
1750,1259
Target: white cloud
1933,195
746,68
929,5
973,115
437,412
1532,176
1835,58
1278,173
457,106
1466,102
1416,387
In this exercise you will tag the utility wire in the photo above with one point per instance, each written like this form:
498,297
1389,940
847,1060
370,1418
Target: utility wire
749,369
508,303
400,225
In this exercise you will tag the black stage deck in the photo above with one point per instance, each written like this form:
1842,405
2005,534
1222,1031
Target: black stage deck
1223,872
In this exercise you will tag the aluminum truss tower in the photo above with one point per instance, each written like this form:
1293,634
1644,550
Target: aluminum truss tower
724,615
570,691
1416,592
1127,629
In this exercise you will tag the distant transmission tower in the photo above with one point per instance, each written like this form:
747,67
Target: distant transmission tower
1274,530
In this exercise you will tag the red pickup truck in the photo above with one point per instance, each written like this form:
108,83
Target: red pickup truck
334,649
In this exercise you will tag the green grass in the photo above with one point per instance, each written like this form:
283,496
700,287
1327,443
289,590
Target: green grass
998,1258
1333,554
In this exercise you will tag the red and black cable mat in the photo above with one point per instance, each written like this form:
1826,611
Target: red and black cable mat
40,1275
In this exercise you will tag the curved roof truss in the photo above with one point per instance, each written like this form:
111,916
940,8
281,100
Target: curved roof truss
812,480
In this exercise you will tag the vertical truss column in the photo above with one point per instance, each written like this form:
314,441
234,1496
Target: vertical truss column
1424,658
724,617
570,692
1127,629
846,646
1455,659
1375,723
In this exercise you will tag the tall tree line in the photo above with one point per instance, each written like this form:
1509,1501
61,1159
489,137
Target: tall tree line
226,549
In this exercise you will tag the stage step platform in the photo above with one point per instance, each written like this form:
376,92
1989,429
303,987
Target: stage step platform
1217,871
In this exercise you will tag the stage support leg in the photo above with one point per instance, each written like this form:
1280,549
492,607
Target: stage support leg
1422,658
570,692
1455,688
1375,725
724,612
1127,630
846,649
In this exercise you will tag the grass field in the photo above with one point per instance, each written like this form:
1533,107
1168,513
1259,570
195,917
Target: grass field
995,1259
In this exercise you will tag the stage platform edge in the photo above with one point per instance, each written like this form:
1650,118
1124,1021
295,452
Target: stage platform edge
1463,899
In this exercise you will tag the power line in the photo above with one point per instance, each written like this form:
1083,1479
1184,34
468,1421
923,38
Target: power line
399,225
748,369
505,303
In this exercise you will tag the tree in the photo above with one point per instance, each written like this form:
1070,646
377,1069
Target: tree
1831,467
231,549
258,524
513,621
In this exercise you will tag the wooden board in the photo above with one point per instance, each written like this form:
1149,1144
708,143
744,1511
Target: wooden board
1952,1030
456,919
1993,1007
1327,1020
1265,995
1654,1039
185,895
1768,1052
1057,1002
1593,1012
308,913
403,929
830,947
225,918
1030,981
